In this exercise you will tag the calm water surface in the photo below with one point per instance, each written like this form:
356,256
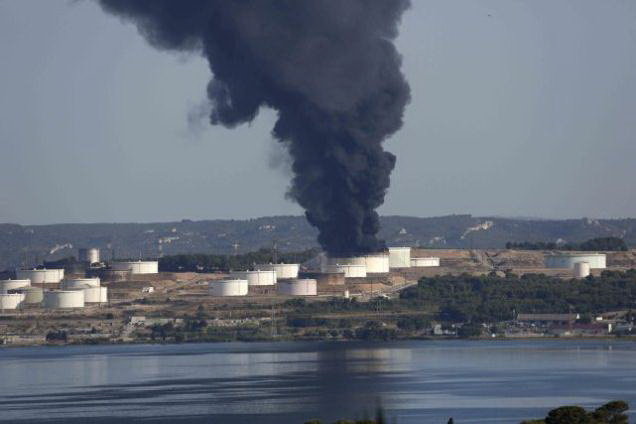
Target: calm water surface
417,382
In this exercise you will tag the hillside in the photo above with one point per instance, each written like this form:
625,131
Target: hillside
20,244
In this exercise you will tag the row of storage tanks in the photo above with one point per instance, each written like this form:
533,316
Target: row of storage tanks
283,276
74,293
54,276
377,263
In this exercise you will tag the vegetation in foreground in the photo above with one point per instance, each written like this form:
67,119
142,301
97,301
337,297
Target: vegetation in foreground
610,413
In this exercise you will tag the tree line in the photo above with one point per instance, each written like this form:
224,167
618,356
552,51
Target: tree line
613,244
206,262
613,412
491,298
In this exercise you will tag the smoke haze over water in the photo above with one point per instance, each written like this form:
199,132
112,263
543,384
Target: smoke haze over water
332,73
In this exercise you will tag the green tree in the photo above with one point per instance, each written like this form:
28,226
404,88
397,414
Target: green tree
612,413
568,415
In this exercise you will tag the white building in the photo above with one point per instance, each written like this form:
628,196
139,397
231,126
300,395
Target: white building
228,287
136,267
298,287
567,260
399,257
41,276
256,278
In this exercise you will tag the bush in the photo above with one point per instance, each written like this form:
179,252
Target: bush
413,322
57,336
470,330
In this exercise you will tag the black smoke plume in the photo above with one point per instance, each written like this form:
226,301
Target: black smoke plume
331,71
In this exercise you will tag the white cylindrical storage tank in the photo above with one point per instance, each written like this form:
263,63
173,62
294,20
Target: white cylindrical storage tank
353,260
424,262
399,257
377,264
6,285
228,288
33,295
256,278
567,260
41,276
72,283
297,287
284,271
61,299
350,270
94,294
327,261
581,269
136,267
90,255
11,300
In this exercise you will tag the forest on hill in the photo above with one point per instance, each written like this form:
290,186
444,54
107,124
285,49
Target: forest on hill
31,244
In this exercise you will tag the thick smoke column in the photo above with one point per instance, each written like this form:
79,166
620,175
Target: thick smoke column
330,70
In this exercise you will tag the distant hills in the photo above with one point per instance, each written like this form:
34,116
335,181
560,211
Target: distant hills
30,244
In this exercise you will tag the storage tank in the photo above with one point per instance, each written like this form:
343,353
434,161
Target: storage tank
324,278
109,274
95,294
349,270
566,260
33,295
61,299
6,285
297,287
256,278
11,300
136,267
399,257
72,283
90,255
353,260
282,270
424,262
41,276
581,269
377,263
228,287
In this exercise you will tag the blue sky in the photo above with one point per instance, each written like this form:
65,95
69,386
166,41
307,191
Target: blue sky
519,108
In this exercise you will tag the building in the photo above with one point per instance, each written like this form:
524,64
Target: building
548,319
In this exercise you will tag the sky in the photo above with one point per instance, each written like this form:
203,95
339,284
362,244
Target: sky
520,108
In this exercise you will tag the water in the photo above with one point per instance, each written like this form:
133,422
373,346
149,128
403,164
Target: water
417,382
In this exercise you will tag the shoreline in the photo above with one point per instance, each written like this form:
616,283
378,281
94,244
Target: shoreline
626,339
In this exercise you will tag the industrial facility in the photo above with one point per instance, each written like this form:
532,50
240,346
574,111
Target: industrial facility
298,287
282,270
119,287
363,275
89,255
228,288
63,299
256,278
41,276
567,260
424,262
136,267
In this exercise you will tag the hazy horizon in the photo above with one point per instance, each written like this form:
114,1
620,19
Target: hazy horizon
520,218
518,109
